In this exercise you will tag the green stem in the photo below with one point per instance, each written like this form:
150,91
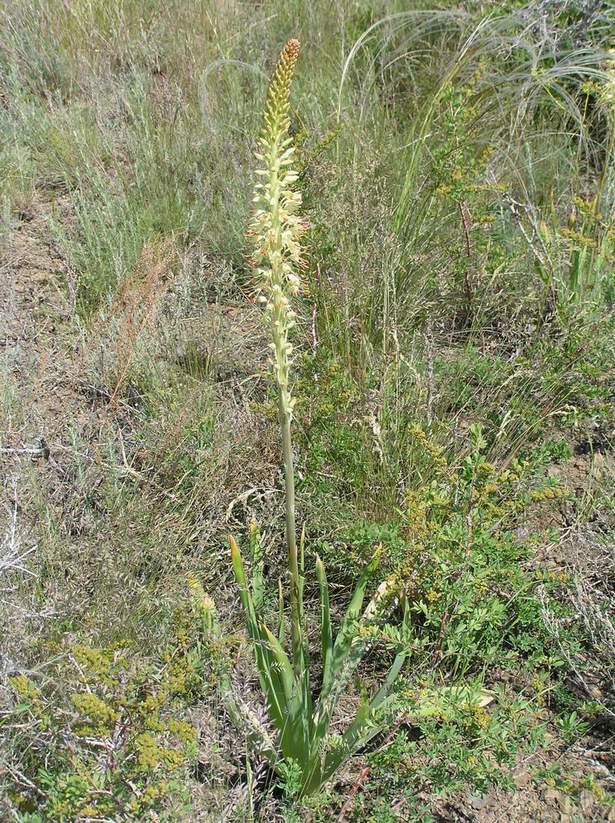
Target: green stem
291,536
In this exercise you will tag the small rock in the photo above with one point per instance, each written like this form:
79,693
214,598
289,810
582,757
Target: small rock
566,806
478,802
586,801
522,778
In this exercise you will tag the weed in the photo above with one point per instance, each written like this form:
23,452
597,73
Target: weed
117,747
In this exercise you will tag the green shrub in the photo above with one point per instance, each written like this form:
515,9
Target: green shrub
115,743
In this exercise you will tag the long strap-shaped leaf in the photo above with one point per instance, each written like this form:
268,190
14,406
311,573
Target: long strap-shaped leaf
349,648
343,655
303,732
242,583
270,677
400,658
326,633
281,663
367,724
346,653
296,731
288,696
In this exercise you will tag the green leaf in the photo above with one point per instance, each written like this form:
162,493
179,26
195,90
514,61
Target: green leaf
244,593
281,620
271,679
395,669
326,633
296,726
346,654
283,663
354,607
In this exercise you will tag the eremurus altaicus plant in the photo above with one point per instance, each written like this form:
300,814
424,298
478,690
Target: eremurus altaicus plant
300,713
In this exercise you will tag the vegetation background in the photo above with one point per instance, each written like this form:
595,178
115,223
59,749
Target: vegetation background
454,387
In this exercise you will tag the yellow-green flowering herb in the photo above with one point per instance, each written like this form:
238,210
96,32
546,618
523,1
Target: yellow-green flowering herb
301,714
276,230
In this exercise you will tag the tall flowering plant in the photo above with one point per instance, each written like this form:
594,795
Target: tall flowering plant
302,720
276,230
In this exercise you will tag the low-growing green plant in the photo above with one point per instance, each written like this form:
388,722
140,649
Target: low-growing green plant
456,747
115,745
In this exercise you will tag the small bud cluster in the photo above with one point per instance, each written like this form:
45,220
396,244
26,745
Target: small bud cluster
276,226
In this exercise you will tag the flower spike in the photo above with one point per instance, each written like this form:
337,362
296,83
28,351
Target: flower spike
276,228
